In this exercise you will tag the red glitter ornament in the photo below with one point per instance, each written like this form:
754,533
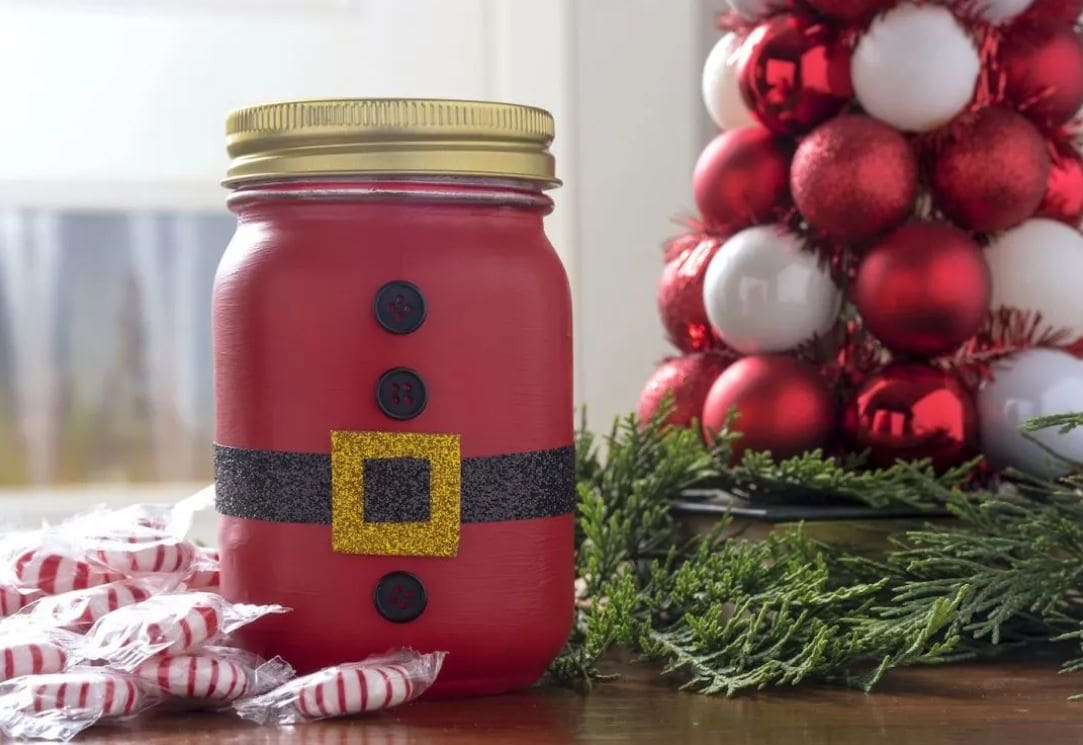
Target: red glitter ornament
992,171
1063,198
782,405
687,380
742,178
796,73
680,298
910,411
848,10
1043,71
924,289
853,178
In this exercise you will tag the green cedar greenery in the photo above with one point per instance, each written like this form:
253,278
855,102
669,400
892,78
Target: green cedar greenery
729,615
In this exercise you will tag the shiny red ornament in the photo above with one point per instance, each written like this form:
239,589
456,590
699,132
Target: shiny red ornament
910,411
680,298
742,178
687,380
854,178
795,73
924,289
848,10
992,171
1063,198
782,405
1042,64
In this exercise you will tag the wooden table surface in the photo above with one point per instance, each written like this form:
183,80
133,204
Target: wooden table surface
993,703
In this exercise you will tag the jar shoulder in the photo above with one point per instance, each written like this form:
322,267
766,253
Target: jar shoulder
485,247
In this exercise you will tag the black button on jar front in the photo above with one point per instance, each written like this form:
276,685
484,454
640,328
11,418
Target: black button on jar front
401,393
399,307
400,597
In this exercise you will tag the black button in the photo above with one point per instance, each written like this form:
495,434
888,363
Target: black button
401,393
400,597
399,307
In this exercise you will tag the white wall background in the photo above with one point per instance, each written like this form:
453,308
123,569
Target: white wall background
120,103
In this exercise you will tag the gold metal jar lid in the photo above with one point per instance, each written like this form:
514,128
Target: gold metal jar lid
389,137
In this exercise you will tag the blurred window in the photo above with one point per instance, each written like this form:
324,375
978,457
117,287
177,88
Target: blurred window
105,357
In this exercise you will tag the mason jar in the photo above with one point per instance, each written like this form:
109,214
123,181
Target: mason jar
393,378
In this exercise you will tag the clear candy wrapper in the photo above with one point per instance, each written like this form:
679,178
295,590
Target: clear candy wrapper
13,544
46,562
98,548
59,706
78,610
204,572
213,676
13,599
27,650
171,623
171,520
378,682
142,552
55,569
138,540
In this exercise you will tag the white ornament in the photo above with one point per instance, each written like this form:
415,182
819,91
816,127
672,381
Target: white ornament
721,92
999,11
755,10
1037,266
1034,382
915,67
765,294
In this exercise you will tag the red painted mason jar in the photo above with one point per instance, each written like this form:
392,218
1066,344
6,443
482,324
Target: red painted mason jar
393,377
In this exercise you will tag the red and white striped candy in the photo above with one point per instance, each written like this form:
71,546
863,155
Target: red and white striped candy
354,689
100,693
145,554
165,624
203,621
204,574
207,677
53,573
13,599
30,658
80,609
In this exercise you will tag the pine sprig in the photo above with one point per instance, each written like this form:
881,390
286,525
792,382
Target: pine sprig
1065,422
623,506
730,615
814,474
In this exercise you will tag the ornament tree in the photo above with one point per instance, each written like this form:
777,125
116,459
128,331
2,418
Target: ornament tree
888,256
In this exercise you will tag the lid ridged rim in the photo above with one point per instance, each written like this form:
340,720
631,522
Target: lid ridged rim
389,136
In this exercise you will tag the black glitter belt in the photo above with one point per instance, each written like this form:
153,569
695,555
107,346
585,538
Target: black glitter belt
297,487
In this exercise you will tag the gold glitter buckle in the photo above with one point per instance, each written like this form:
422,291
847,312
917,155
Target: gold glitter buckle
350,534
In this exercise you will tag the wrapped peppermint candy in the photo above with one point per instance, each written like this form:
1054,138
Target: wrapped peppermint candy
98,548
171,623
78,610
61,705
204,572
54,570
48,562
378,682
14,593
13,599
144,554
27,650
213,675
138,540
